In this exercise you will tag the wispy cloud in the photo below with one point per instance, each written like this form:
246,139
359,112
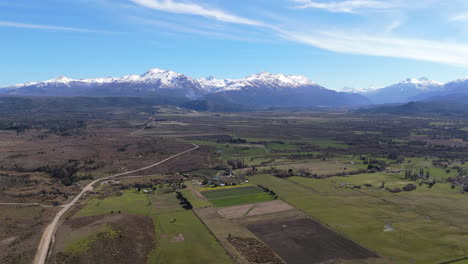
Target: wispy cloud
192,29
463,17
347,6
196,9
393,26
48,27
408,48
338,40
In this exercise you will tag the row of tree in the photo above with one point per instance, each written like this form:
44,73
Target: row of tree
270,192
183,201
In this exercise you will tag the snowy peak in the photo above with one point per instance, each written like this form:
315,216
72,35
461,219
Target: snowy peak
421,83
404,91
60,79
212,84
259,80
160,74
269,80
279,79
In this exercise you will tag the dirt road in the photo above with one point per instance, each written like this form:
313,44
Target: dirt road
49,233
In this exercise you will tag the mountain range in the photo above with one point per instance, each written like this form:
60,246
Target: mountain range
415,90
257,90
262,90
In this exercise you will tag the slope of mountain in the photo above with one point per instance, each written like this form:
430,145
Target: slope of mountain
404,91
459,86
258,90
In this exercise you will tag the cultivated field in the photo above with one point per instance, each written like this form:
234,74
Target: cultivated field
235,195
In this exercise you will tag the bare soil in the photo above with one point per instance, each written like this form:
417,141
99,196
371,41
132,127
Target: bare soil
261,208
305,241
254,251
270,207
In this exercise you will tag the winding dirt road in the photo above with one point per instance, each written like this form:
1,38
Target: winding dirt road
49,233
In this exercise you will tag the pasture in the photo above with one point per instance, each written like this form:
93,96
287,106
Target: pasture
180,237
221,197
428,226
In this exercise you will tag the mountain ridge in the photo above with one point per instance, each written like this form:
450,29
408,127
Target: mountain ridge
262,89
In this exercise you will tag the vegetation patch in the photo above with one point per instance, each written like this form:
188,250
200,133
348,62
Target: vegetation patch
235,195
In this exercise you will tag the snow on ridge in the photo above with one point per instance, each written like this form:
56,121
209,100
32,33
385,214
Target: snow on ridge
421,82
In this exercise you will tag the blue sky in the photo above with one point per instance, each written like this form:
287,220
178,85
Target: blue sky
353,43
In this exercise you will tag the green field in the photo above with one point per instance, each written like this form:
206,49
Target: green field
238,195
430,225
198,245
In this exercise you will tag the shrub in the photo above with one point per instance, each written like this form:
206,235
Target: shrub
409,187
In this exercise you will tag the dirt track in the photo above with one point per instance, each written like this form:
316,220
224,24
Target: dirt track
49,233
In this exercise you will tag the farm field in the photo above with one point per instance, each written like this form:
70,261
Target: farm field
236,195
179,236
305,241
333,204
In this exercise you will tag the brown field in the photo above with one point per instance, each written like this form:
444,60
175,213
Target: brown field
131,245
36,187
20,231
99,151
254,250
305,241
254,209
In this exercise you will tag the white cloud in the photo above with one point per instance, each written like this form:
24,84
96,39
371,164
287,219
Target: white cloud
408,48
47,27
393,26
204,31
195,9
349,42
347,6
463,17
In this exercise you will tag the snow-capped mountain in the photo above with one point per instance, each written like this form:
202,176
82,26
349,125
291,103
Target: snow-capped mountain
279,90
266,79
263,79
404,91
212,84
153,82
262,89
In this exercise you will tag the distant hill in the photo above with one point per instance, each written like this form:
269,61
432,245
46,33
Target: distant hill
403,91
415,90
450,105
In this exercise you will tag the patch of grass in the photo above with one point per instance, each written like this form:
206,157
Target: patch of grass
229,191
328,143
235,195
80,246
198,245
367,133
245,199
281,147
194,200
